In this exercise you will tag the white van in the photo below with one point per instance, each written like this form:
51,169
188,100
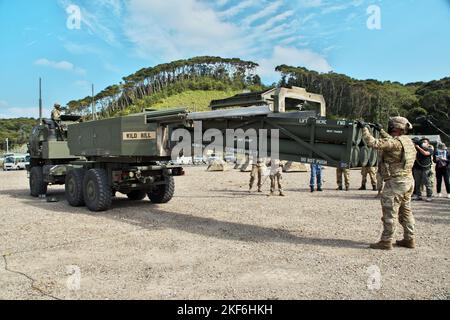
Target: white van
15,162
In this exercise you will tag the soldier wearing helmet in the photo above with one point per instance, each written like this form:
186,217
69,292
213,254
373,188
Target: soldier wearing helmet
56,112
398,156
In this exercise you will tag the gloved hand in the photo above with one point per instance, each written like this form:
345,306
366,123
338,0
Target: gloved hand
361,124
377,127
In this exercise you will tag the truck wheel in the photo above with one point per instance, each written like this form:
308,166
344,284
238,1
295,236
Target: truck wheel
162,193
37,184
96,190
74,187
136,195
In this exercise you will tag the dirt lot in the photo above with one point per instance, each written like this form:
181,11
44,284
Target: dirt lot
214,240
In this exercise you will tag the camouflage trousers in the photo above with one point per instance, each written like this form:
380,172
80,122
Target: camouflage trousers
346,173
275,179
372,172
423,177
380,182
396,204
257,172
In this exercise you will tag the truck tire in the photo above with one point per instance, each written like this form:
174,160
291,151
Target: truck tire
137,195
37,184
74,187
162,193
96,190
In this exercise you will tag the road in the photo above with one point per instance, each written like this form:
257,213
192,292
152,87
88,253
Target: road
214,240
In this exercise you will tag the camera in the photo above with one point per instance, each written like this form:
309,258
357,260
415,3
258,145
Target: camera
417,141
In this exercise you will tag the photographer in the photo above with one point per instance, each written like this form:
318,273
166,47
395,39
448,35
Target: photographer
422,172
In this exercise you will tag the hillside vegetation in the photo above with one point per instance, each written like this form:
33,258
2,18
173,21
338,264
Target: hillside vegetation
194,82
16,130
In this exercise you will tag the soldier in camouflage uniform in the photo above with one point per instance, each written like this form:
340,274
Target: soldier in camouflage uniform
372,172
343,172
381,166
276,170
257,171
397,159
56,112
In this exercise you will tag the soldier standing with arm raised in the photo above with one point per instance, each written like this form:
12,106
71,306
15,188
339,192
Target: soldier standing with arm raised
398,159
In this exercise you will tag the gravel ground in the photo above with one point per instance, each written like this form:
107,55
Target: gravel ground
214,240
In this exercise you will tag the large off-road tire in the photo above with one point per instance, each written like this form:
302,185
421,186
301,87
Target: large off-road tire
163,193
137,195
96,190
74,187
37,184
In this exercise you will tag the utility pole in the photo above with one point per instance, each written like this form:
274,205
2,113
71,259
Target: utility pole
40,101
94,117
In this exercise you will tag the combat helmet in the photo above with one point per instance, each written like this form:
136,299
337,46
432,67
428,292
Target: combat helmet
399,123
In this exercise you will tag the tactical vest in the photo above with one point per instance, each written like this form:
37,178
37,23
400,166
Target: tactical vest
399,165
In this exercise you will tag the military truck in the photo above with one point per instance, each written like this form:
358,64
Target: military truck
132,154
96,159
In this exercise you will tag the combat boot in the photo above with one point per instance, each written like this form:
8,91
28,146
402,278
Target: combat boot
312,189
347,188
319,189
363,187
259,190
339,188
382,245
374,188
282,194
410,244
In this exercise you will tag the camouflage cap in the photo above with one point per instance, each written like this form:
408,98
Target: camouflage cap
56,105
400,123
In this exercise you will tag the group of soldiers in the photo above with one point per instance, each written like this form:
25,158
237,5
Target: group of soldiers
276,170
395,183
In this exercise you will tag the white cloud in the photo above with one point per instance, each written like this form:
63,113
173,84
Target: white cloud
100,18
278,18
59,65
237,8
191,28
294,57
269,10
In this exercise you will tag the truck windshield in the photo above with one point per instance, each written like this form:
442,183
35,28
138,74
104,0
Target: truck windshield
9,160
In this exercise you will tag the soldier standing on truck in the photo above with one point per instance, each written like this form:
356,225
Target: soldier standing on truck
56,112
398,159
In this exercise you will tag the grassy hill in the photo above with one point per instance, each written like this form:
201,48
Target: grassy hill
194,100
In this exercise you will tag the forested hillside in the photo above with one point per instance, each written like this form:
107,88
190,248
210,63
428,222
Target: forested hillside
16,130
195,82
152,85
